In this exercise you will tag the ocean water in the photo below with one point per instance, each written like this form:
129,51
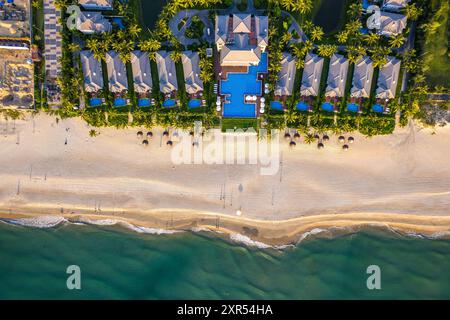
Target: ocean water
117,263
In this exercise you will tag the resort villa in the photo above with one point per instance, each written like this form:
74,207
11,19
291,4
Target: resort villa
117,77
387,83
362,81
142,76
96,4
337,77
311,76
394,5
191,70
93,77
392,23
286,76
92,72
167,77
241,41
92,22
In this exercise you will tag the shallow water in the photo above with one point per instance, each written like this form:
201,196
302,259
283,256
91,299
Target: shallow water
121,264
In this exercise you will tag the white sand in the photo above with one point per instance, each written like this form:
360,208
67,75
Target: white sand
404,173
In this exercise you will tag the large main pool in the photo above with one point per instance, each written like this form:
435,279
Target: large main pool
240,84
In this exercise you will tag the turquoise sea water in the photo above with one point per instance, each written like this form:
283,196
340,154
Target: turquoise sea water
121,264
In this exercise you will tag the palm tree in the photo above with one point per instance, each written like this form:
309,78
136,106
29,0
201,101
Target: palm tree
372,38
396,41
302,6
150,45
309,138
354,10
342,37
413,12
175,56
134,30
300,63
327,50
317,33
73,47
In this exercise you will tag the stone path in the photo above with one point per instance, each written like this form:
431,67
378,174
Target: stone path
52,50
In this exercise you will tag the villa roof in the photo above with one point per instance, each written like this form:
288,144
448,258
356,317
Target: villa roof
92,72
362,78
286,76
241,38
191,71
242,23
395,4
166,72
337,76
92,22
392,23
221,29
311,75
262,30
239,56
117,72
388,79
96,3
142,76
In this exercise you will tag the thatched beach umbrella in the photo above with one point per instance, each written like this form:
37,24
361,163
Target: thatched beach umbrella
149,134
316,136
287,135
320,145
145,142
166,133
169,143
345,147
325,137
292,144
140,133
297,136
191,133
351,140
341,139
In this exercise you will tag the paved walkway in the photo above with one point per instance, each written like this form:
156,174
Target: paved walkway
188,14
52,50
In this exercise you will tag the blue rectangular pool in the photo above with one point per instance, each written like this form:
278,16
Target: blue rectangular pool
194,103
144,102
240,84
276,105
120,102
95,102
169,103
326,106
352,107
302,106
378,108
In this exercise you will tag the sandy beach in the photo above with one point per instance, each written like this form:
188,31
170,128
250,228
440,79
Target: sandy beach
401,181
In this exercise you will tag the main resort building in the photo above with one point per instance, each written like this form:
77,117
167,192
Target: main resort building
241,64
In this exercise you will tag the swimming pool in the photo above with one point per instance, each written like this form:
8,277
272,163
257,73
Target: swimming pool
276,105
95,102
302,106
120,102
169,103
377,108
326,106
352,107
194,103
144,102
240,84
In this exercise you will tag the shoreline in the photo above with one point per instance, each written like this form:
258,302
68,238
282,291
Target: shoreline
252,232
55,168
